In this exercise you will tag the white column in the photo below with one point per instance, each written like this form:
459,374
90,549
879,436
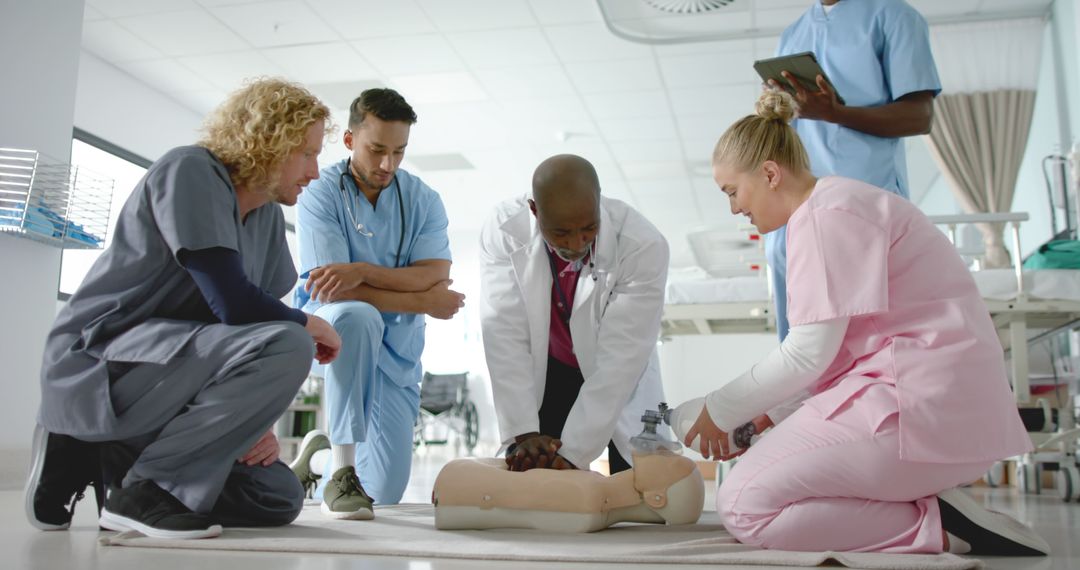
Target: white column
39,61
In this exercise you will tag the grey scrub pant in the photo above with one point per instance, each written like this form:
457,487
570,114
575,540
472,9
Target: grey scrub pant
190,419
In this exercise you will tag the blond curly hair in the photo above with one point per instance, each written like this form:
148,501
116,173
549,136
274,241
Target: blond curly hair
763,136
258,126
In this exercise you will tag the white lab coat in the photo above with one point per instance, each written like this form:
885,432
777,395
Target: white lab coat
615,325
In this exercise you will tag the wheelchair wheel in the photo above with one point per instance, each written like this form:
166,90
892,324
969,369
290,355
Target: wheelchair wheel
472,426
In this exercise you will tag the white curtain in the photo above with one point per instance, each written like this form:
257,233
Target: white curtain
989,72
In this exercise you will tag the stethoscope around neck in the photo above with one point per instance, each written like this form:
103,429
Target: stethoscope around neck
360,227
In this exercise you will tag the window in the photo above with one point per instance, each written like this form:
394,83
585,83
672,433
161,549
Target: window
108,161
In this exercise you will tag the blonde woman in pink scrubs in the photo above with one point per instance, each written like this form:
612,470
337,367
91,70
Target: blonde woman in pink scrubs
893,355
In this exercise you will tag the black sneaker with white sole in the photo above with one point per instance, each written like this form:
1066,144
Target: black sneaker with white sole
988,532
146,508
61,468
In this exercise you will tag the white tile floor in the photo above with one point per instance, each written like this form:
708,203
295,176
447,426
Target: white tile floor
24,547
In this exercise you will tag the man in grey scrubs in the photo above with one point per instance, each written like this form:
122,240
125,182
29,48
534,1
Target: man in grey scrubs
174,357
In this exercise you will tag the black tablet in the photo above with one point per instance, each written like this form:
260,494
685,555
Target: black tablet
804,66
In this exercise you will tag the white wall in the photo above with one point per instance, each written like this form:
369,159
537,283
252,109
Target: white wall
126,112
694,365
40,45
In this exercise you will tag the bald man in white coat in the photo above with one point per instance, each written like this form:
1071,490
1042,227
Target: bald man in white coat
573,292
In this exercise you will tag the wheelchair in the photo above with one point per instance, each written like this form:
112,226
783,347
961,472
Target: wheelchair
444,399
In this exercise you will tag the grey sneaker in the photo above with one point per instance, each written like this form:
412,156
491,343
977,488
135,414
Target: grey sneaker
344,498
314,441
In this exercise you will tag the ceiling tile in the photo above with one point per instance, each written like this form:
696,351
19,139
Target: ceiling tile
91,14
625,75
410,55
929,8
439,87
547,121
694,48
654,169
339,95
674,190
321,62
633,151
699,154
709,126
731,100
628,105
124,8
172,33
766,47
708,69
593,42
456,127
478,14
640,129
275,23
550,12
229,71
217,3
525,82
201,101
355,19
166,75
114,44
479,51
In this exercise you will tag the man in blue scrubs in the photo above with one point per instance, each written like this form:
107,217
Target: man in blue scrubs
374,248
877,55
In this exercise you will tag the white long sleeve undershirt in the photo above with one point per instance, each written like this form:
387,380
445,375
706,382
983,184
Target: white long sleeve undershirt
781,378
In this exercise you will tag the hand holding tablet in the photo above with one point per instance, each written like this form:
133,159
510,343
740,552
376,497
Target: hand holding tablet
798,75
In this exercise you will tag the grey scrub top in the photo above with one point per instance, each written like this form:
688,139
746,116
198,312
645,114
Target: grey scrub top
137,304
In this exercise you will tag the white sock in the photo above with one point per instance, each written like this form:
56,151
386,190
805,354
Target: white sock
318,461
957,545
344,455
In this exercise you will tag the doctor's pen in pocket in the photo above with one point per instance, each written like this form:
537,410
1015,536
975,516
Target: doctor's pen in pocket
681,418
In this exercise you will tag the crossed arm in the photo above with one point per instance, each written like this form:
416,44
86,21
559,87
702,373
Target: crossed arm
421,288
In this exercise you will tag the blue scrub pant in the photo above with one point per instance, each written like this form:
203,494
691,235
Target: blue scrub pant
366,407
776,255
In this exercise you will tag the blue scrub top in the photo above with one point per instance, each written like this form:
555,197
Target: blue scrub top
874,52
326,234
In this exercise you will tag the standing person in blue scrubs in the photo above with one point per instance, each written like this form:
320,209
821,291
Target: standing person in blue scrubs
374,248
877,55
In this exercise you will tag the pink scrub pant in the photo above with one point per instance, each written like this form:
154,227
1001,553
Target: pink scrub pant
815,484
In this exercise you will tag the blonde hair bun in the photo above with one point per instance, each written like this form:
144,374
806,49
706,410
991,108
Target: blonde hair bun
776,105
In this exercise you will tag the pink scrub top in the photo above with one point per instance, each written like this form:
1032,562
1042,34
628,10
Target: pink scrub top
917,322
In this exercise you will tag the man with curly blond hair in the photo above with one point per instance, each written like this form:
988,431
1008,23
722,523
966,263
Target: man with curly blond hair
164,372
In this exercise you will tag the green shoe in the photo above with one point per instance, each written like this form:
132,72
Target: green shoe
315,440
344,498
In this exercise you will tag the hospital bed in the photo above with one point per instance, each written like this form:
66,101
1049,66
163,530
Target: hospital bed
734,298
1028,308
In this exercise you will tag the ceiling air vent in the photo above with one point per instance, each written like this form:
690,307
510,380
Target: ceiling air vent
688,6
